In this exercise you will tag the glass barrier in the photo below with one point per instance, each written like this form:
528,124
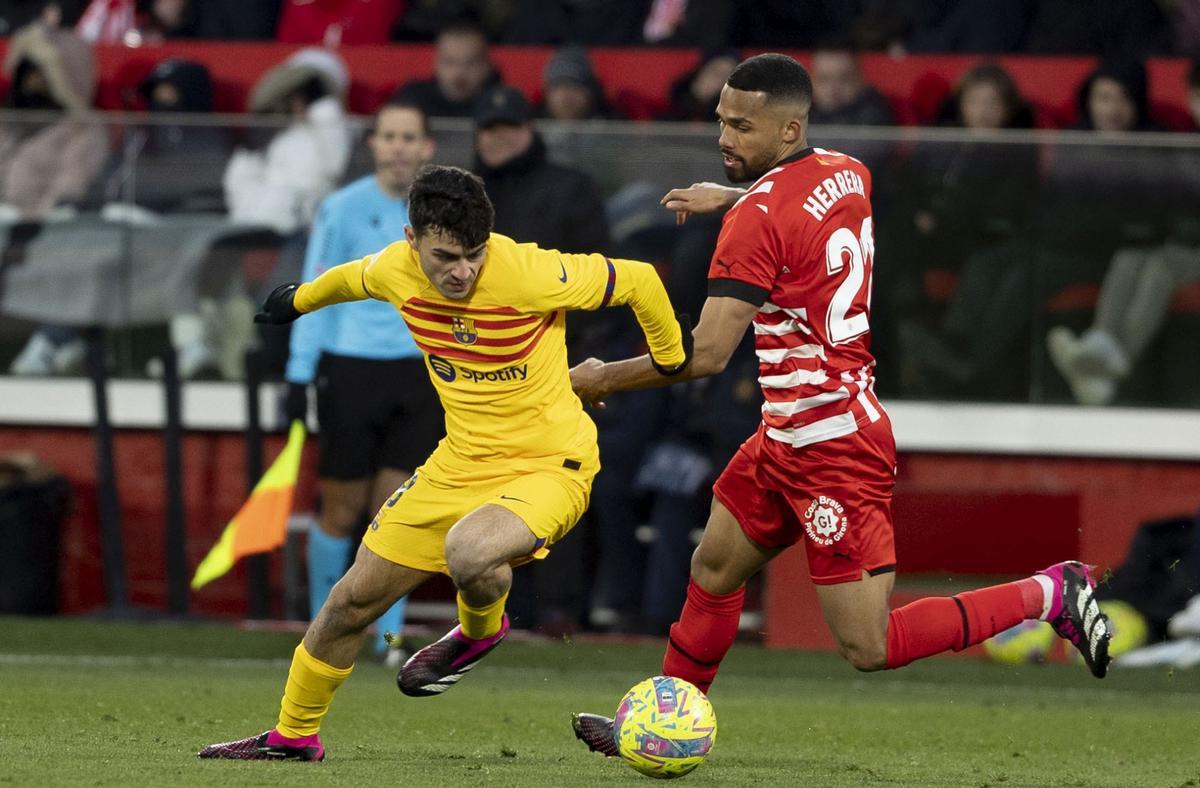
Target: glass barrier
1044,267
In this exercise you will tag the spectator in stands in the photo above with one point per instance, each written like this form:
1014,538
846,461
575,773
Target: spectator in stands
946,214
570,90
145,178
332,23
46,164
280,186
841,97
274,188
555,207
462,71
694,96
1115,28
1137,290
954,200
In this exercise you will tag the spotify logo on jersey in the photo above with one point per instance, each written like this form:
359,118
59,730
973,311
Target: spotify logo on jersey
443,368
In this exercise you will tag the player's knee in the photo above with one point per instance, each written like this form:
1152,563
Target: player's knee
863,656
709,571
466,566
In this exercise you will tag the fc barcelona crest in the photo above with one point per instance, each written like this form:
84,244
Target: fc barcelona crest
464,330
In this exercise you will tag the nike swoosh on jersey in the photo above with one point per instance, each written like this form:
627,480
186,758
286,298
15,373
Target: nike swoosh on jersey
562,278
510,498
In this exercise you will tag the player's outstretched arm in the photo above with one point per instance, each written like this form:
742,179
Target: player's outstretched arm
345,282
723,323
704,197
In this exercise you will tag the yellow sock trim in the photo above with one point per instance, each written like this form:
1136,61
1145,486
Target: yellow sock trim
480,622
310,687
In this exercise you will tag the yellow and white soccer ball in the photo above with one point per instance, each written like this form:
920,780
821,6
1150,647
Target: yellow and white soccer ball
665,727
1029,641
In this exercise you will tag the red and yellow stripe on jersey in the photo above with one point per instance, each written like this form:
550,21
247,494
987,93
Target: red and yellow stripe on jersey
498,358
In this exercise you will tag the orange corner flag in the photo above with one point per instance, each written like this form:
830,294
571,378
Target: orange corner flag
261,524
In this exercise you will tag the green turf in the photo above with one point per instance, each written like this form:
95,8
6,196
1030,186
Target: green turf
100,703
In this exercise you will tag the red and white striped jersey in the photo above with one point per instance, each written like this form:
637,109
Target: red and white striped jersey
799,244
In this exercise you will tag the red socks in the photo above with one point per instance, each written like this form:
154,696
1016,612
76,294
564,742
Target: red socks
703,634
708,624
931,626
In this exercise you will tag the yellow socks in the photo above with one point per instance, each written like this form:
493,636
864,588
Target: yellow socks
310,687
478,623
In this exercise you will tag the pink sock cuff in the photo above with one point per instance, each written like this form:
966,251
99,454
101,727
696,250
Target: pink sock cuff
275,738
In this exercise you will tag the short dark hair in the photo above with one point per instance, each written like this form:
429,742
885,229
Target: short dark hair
779,76
452,201
398,102
1193,79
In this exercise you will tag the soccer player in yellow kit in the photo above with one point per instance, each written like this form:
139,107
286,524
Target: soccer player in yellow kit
513,474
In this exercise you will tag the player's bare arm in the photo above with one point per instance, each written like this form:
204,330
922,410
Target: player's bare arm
706,197
723,323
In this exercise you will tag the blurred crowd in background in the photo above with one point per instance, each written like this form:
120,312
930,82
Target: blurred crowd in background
1124,27
1002,257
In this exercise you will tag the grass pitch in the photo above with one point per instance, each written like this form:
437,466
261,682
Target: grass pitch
101,703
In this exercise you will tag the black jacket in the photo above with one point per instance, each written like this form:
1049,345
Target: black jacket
541,202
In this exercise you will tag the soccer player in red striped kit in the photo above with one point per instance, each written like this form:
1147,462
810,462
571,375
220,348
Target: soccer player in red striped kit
794,261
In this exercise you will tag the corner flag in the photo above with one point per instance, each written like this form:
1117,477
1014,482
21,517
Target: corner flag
261,524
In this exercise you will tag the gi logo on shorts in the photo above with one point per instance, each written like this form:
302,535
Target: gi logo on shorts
464,330
825,521
443,368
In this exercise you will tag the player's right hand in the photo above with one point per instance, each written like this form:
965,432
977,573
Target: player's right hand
706,197
587,380
278,309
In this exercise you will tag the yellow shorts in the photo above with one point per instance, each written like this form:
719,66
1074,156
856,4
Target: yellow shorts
410,529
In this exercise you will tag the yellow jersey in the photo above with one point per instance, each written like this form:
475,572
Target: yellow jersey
498,357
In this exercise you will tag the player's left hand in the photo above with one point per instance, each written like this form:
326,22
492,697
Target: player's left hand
587,379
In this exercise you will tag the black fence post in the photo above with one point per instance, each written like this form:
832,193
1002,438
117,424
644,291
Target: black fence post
259,577
112,546
176,527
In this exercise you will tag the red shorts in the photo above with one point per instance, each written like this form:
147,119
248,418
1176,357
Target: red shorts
835,495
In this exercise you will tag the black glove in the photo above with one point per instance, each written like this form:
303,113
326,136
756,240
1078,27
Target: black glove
295,402
278,309
685,328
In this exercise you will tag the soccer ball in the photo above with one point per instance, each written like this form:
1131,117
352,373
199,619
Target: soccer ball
1029,641
665,727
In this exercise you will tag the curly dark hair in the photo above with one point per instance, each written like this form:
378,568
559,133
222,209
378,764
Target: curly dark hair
450,200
